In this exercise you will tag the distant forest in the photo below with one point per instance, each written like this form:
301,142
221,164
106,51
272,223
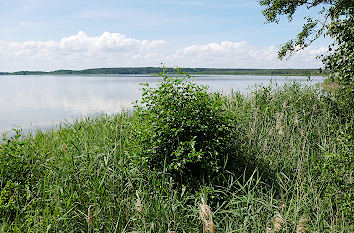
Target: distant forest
157,70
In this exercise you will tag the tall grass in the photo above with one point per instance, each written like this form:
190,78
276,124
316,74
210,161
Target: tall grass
89,176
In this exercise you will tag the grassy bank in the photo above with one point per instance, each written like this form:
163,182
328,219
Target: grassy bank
329,86
93,176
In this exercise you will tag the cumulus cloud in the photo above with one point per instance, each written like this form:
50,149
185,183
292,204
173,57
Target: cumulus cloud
74,52
241,55
81,51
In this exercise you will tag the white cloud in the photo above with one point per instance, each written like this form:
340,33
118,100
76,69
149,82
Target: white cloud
241,55
74,52
81,51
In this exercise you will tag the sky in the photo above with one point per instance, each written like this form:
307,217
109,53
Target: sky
79,34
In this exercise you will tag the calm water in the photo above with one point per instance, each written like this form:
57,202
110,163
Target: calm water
43,101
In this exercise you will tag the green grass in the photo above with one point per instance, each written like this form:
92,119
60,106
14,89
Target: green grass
57,175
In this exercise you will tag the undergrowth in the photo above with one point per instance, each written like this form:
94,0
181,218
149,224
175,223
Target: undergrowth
95,175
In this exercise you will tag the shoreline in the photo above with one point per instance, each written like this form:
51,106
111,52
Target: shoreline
173,71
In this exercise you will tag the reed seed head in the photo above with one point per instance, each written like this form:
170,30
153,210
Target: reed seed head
284,105
265,145
206,215
139,204
268,228
278,223
271,132
278,126
301,227
296,120
314,108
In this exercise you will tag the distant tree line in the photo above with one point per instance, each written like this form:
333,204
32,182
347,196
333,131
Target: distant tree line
157,70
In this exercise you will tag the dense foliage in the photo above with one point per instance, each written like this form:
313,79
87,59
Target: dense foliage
17,173
341,62
190,130
330,13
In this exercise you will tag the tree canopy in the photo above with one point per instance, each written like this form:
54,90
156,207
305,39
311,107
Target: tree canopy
335,18
332,14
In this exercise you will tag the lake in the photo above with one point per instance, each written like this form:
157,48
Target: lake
43,101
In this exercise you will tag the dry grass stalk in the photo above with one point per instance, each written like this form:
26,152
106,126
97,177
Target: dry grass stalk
88,216
279,126
278,223
279,120
64,147
265,145
139,208
301,227
282,202
314,108
284,105
296,119
139,204
206,215
271,132
268,228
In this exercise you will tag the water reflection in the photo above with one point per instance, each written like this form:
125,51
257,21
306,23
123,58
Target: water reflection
39,101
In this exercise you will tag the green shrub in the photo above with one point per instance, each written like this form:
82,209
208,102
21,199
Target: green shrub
13,173
19,172
189,130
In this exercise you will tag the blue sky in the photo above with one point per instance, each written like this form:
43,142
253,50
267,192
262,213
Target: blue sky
44,34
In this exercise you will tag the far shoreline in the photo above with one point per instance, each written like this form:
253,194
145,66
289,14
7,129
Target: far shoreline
190,71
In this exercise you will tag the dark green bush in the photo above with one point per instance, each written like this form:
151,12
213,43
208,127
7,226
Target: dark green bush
13,173
189,130
18,173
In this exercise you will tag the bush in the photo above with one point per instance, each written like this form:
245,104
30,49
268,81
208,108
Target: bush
19,171
189,130
13,173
